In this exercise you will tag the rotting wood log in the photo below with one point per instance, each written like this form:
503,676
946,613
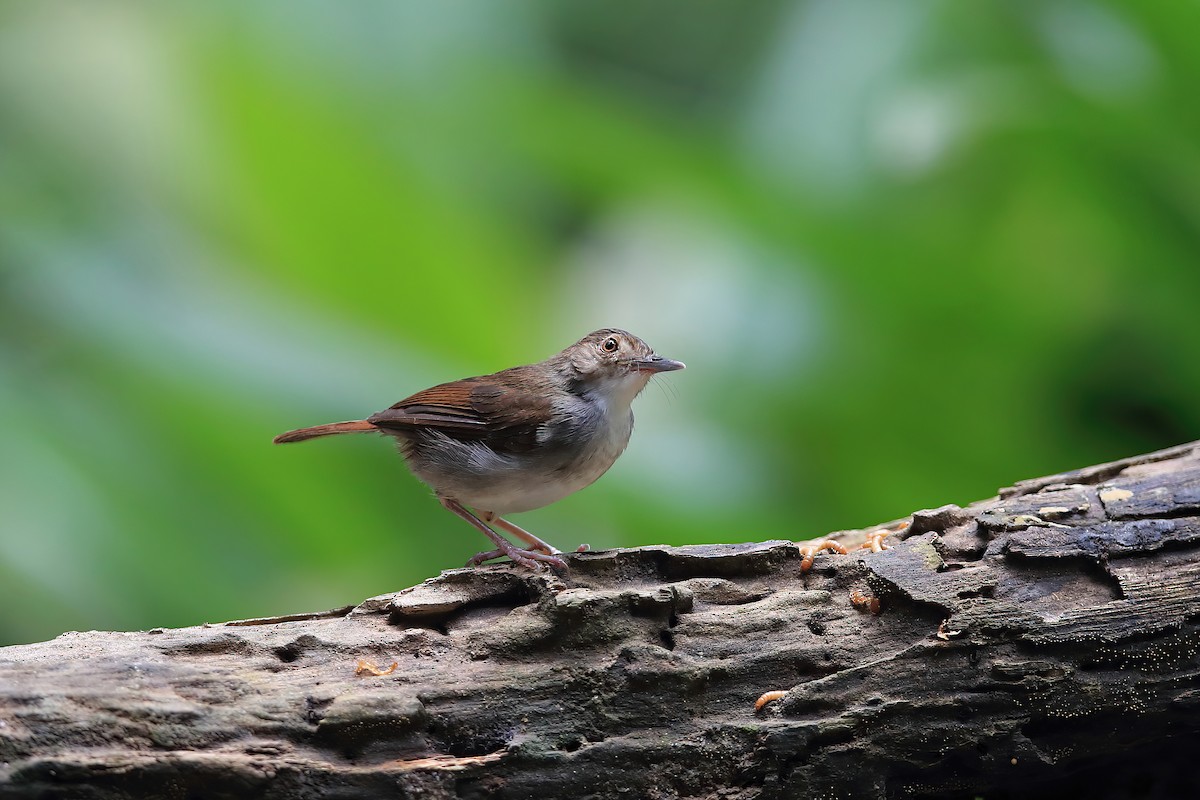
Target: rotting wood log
1040,643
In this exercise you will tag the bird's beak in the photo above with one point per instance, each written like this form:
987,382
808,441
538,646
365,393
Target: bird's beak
658,364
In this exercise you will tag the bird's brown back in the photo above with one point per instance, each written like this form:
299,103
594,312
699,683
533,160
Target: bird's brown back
503,410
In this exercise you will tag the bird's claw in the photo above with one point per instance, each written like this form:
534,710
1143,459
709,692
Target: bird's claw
530,559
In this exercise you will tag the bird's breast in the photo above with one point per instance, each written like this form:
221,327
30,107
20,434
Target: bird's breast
574,449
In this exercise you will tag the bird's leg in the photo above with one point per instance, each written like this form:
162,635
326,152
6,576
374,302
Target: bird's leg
526,558
490,517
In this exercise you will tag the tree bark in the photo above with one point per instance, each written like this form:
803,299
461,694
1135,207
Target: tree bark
1041,642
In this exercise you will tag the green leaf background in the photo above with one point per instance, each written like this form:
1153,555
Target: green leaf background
911,252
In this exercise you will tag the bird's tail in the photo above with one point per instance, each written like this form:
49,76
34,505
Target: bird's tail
357,426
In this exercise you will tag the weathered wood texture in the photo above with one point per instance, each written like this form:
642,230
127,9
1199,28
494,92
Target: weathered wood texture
1066,661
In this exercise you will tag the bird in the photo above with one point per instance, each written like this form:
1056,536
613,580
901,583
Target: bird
518,439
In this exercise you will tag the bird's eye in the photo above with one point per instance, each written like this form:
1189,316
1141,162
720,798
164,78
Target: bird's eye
610,345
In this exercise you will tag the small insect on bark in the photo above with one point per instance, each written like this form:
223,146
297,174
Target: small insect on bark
767,697
367,668
809,551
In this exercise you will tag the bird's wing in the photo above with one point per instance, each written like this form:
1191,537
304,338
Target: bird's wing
497,409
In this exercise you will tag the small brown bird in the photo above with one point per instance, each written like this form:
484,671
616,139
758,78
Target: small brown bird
521,438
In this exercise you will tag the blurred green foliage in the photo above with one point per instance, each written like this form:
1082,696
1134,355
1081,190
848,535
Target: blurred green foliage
910,252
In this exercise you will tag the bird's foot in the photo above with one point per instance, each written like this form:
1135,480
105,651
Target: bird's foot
534,543
530,559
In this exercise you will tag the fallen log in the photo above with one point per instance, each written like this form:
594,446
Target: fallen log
1041,642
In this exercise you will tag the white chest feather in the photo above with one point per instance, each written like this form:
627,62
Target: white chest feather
536,482
587,436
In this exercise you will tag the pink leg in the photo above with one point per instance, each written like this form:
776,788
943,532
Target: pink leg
526,558
516,530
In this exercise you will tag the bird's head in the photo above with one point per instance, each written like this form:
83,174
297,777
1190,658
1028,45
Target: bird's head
615,364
